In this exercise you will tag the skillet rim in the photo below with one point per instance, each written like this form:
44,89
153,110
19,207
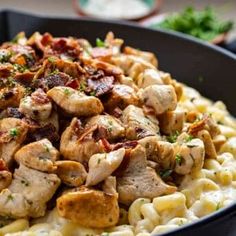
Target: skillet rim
225,212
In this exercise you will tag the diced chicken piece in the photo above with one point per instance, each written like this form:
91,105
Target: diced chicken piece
158,151
12,134
219,141
40,155
71,173
126,80
161,98
208,143
103,165
77,148
13,204
74,102
112,126
138,180
5,179
121,96
171,121
139,125
37,106
147,56
36,187
89,208
10,97
109,186
132,65
189,156
149,77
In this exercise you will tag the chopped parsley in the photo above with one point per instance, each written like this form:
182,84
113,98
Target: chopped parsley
10,198
14,132
4,56
165,173
178,159
51,59
19,68
173,137
47,148
98,161
100,43
67,91
189,138
82,87
93,93
218,206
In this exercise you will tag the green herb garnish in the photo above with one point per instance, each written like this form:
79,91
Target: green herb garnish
189,138
173,137
67,91
165,173
100,43
202,24
178,159
14,132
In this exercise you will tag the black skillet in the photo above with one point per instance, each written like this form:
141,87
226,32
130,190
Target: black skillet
207,68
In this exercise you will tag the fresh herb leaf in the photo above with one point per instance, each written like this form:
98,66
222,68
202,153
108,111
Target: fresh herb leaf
165,173
100,43
14,132
67,91
189,138
173,137
51,59
178,159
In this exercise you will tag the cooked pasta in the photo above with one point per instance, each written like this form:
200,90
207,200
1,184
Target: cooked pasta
99,141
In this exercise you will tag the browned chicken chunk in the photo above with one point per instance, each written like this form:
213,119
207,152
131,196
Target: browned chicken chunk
71,173
74,102
138,180
89,208
12,134
139,125
160,98
76,145
40,155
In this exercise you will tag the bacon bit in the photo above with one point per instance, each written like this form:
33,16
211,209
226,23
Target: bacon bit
3,165
126,145
87,132
101,133
40,97
14,112
106,145
192,116
124,164
73,84
5,137
46,39
197,126
99,52
25,78
117,112
101,86
5,70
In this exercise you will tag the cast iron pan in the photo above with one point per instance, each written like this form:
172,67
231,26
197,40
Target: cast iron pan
185,58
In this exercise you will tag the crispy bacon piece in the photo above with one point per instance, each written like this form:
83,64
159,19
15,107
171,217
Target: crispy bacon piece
3,165
14,112
24,78
40,97
126,145
197,126
101,86
5,70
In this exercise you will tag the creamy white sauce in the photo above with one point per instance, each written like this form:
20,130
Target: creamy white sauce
116,8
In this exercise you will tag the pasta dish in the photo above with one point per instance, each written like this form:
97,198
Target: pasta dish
96,140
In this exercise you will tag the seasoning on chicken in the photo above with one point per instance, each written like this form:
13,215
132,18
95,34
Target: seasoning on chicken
112,126
139,181
171,122
77,143
75,103
40,155
189,156
103,165
121,96
71,173
139,125
89,207
160,152
37,106
12,134
160,98
28,193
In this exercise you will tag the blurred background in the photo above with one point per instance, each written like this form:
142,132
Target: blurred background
215,24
